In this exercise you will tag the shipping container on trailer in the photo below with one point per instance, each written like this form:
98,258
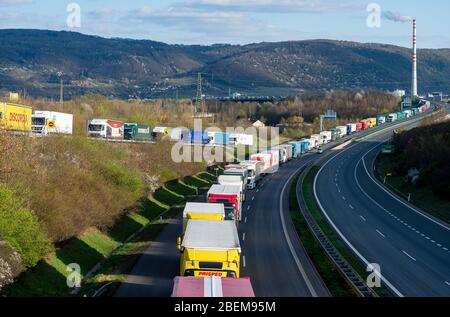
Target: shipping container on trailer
161,132
358,127
365,124
212,286
210,248
51,122
318,139
15,117
373,122
106,129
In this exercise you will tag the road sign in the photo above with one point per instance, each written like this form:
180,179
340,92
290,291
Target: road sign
388,148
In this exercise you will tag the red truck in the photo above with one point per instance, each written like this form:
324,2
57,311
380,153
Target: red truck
230,196
191,287
358,127
365,125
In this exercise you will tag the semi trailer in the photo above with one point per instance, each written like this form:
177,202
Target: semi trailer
203,211
230,196
106,129
15,117
212,286
51,122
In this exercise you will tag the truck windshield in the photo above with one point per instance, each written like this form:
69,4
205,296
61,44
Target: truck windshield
38,121
230,212
96,127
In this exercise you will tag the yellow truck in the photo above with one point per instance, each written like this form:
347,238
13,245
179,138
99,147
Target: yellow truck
15,117
373,122
203,211
210,248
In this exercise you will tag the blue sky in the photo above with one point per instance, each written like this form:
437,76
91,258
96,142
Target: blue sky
237,21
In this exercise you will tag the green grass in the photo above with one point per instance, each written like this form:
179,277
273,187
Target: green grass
334,281
422,197
340,245
48,278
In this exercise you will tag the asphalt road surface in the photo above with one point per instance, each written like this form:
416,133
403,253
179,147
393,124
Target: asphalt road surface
272,255
412,249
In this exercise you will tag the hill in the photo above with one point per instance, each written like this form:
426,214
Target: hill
31,59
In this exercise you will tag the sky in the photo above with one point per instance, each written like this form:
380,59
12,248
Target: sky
238,21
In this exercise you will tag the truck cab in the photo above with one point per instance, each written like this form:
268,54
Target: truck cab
254,173
230,197
210,248
106,129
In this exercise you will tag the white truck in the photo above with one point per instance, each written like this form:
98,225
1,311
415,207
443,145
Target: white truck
254,169
342,131
392,117
233,180
318,139
326,136
51,122
241,139
289,151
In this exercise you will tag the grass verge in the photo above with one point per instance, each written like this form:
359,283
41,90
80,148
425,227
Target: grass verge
422,197
334,281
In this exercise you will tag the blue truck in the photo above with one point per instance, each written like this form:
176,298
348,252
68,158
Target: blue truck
304,146
197,137
296,148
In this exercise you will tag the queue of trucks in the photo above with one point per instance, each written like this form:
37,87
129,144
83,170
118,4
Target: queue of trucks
210,250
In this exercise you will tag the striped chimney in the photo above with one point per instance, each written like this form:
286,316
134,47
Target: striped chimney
414,59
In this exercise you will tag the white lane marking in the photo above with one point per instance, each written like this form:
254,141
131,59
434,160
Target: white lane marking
362,218
447,283
288,239
253,198
398,199
381,234
389,284
243,261
257,190
409,256
351,207
248,208
245,221
343,197
243,236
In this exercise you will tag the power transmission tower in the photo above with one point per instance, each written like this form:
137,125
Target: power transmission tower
199,99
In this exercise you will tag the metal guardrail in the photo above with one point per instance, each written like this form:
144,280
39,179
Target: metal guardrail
344,268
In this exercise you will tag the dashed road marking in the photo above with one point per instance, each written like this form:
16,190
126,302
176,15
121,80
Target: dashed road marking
343,197
243,261
253,198
351,207
409,256
245,221
447,283
364,219
248,208
381,234
243,236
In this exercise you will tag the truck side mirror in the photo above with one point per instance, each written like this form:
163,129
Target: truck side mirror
179,244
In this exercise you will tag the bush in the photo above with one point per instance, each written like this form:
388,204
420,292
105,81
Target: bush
20,227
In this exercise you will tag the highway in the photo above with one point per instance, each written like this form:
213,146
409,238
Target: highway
411,247
272,255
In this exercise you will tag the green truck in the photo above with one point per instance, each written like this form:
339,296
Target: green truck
137,132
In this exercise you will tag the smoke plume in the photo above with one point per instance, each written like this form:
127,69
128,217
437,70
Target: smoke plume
396,17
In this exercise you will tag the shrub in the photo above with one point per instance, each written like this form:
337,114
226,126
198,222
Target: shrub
20,227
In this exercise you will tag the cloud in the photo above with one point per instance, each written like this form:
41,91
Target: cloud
396,17
102,13
271,6
14,2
